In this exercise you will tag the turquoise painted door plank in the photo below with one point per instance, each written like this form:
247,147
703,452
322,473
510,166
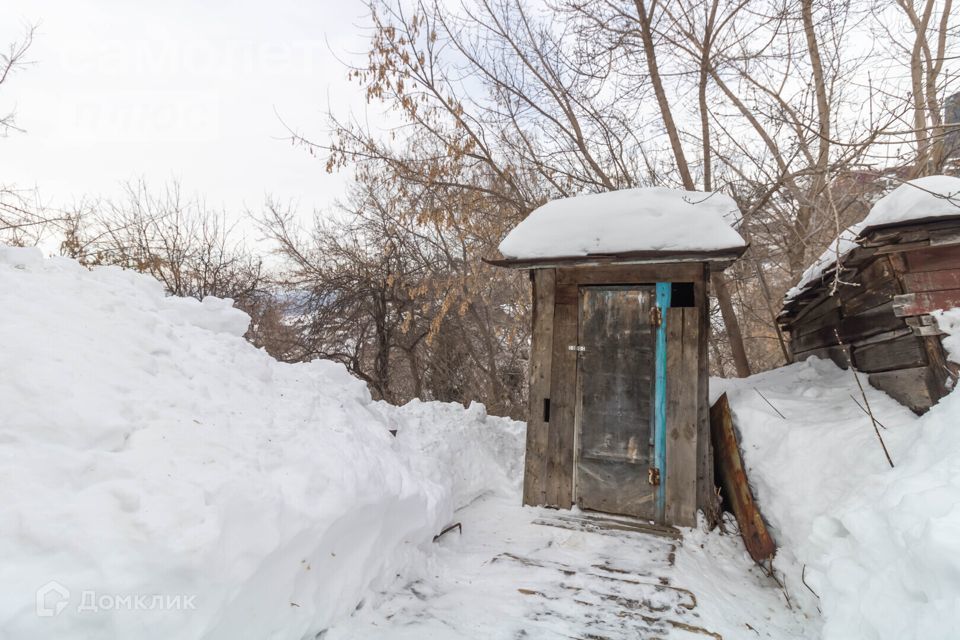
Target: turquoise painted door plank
660,399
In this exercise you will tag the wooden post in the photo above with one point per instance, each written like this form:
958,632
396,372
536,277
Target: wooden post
538,397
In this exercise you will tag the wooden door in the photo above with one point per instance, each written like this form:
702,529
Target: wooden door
615,389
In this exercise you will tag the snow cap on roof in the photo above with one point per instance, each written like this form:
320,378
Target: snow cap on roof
654,219
920,199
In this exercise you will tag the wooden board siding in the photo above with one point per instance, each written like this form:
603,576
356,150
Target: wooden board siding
933,259
880,311
538,397
932,280
683,346
563,394
915,304
904,352
706,486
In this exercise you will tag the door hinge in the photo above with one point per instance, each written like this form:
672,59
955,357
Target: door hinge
576,347
653,476
656,316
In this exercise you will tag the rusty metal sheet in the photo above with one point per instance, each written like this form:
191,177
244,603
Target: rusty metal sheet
733,483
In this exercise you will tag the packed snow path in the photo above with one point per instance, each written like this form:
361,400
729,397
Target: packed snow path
506,576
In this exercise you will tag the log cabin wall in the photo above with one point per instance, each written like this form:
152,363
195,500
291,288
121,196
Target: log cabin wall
878,314
549,462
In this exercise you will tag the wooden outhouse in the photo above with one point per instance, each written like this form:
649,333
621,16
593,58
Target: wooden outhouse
618,416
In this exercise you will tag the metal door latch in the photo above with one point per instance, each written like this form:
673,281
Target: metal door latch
656,316
653,476
576,347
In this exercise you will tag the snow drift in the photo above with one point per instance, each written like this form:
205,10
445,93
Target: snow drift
161,478
878,546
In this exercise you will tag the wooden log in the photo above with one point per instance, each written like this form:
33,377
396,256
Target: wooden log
914,304
538,397
909,387
900,353
736,488
563,392
683,335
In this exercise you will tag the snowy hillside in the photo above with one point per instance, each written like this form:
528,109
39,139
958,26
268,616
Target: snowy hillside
161,478
879,546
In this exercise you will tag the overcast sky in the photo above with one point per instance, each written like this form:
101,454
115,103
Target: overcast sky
122,89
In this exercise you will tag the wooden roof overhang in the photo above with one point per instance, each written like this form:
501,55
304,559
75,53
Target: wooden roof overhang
721,259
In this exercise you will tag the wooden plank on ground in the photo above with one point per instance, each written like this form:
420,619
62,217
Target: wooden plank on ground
915,304
736,488
563,392
903,352
683,335
538,405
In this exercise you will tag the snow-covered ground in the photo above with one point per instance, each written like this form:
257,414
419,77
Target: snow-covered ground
879,547
161,478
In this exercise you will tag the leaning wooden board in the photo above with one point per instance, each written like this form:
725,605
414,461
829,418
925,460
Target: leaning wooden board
733,482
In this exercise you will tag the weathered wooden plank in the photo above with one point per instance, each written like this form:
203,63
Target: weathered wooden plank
563,392
943,373
733,479
706,483
909,387
819,306
631,274
683,334
900,353
933,259
871,294
818,339
882,337
870,322
932,280
538,397
915,304
829,319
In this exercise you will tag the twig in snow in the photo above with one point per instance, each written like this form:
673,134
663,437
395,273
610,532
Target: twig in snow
846,351
770,403
864,410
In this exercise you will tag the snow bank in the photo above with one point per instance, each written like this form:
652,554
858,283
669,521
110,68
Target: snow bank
648,219
878,545
161,478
